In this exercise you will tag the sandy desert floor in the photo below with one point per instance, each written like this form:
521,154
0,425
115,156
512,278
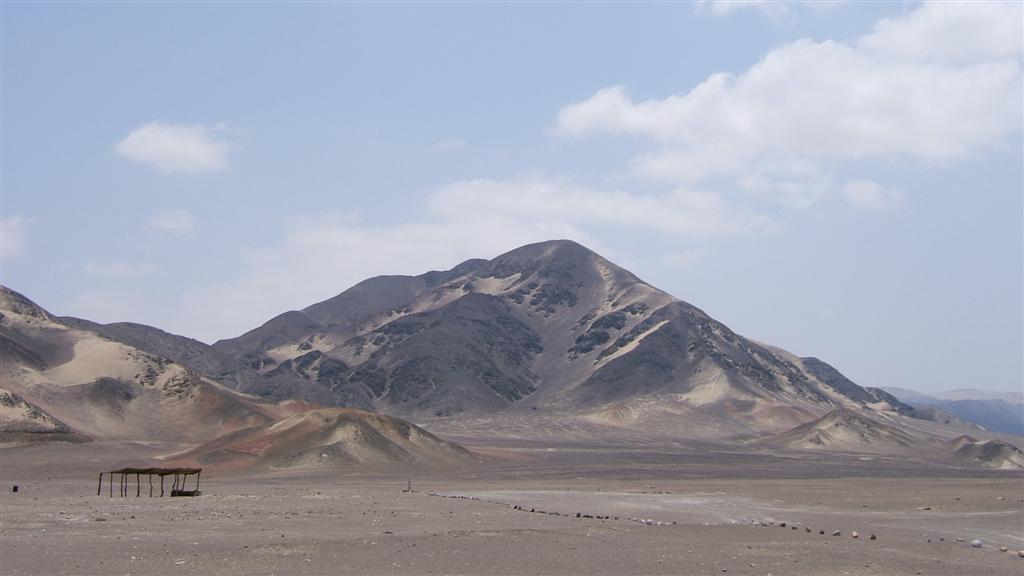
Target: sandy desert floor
466,521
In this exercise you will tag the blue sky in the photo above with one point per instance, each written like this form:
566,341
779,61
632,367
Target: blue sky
843,181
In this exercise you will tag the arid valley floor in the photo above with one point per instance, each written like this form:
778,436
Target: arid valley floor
712,511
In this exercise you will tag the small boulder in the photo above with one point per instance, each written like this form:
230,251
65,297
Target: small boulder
837,533
1002,548
854,534
975,543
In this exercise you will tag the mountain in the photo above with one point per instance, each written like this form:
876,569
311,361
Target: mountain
995,411
549,327
847,431
991,453
194,355
327,437
72,379
976,394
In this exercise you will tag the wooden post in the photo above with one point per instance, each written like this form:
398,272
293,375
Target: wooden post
138,485
99,489
150,478
111,479
198,474
161,485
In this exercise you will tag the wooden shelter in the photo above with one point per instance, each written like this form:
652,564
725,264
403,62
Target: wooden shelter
177,486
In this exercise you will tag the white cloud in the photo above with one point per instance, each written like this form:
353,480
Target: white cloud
13,235
179,222
770,7
450,145
177,147
684,257
681,212
951,32
927,86
796,184
119,270
323,255
870,195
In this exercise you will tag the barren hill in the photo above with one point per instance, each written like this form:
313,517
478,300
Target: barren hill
328,437
991,453
847,431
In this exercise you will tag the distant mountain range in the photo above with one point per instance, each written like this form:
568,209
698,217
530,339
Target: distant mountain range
996,411
549,329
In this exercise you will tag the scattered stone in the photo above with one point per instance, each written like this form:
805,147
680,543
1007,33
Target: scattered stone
794,527
873,537
808,530
1020,553
782,524
822,532
959,539
854,534
837,533
578,515
15,489
1002,548
975,543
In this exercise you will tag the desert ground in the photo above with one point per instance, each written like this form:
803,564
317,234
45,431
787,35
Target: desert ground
675,510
